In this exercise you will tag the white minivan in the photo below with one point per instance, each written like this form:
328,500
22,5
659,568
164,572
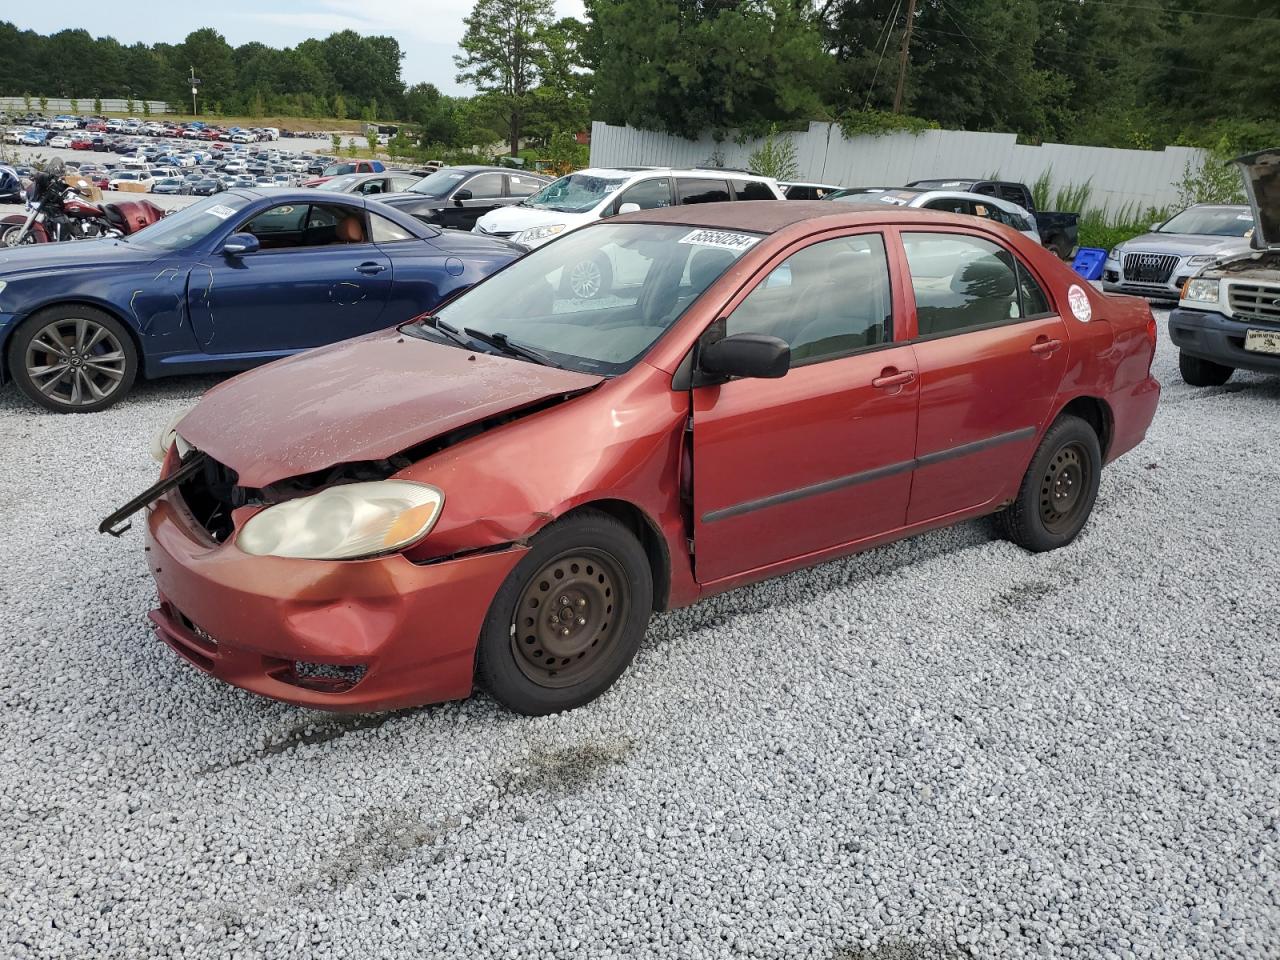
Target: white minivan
598,192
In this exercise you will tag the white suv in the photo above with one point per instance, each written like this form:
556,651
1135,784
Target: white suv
597,192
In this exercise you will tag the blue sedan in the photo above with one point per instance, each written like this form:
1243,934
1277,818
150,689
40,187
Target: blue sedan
230,282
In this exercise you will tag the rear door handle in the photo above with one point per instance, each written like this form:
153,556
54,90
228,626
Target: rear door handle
1044,346
892,377
370,268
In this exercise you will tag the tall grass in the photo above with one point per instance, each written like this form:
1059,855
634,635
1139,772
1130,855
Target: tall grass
1099,226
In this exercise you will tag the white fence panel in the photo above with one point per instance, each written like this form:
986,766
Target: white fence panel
1142,178
58,105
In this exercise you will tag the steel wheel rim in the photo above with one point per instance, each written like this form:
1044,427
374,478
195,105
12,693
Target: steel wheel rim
569,617
586,279
1063,488
10,238
75,361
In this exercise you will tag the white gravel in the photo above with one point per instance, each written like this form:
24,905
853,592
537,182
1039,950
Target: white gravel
943,748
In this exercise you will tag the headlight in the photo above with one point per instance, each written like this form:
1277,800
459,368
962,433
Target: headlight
347,522
534,234
1114,254
1200,291
165,436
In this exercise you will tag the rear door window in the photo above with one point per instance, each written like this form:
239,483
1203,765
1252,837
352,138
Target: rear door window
961,282
486,186
702,190
754,190
523,186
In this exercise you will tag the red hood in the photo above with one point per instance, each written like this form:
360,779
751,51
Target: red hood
363,399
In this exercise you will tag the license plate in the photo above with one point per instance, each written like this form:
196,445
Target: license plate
1262,341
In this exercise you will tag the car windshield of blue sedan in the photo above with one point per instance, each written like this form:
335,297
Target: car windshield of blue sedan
576,193
1212,222
594,300
191,224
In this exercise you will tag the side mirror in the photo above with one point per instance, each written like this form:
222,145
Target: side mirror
461,195
753,355
238,244
629,208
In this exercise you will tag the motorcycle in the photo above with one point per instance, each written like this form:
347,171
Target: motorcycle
56,211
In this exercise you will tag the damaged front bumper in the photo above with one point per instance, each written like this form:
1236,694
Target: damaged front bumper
362,635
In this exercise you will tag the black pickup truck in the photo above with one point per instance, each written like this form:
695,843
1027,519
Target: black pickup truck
1059,232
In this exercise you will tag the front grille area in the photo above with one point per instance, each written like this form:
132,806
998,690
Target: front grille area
1149,267
1250,301
211,494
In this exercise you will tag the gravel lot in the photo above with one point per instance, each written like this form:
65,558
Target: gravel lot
943,748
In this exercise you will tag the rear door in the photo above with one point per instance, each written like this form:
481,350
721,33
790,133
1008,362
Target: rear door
702,190
991,353
786,468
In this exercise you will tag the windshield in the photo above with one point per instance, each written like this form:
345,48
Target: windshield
1212,222
576,193
339,168
338,184
597,299
191,224
874,195
439,183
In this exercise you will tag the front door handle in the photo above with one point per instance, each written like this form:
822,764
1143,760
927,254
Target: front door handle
370,268
1043,347
893,377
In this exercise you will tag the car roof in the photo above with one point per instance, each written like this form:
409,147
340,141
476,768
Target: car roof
773,216
718,173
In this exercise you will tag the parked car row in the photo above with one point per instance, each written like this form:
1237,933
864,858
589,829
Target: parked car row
193,130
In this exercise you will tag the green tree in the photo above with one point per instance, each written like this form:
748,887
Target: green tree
44,104
75,105
502,48
146,108
336,140
351,146
339,107
129,104
689,67
26,99
371,137
775,158
562,98
97,106
257,107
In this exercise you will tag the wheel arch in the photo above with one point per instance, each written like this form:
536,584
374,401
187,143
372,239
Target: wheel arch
1097,413
6,374
649,535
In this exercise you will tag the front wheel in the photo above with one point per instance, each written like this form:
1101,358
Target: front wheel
569,618
11,235
73,359
1202,373
1058,490
589,278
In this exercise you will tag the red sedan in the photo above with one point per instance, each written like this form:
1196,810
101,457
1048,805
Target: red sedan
81,143
504,491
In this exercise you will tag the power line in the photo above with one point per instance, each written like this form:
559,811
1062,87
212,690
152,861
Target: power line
1194,13
884,48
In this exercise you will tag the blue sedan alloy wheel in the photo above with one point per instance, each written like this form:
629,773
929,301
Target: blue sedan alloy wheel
73,359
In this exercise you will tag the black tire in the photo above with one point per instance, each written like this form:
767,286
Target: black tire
1059,489
1203,373
92,379
584,591
588,279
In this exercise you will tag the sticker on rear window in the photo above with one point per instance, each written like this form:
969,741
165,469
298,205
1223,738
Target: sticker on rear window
721,239
220,211
1081,308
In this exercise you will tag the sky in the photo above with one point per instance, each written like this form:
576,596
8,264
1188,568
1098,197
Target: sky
428,30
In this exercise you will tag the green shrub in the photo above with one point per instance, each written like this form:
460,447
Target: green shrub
776,157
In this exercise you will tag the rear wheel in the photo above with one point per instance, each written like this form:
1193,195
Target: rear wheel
569,618
1059,489
1203,373
588,278
73,359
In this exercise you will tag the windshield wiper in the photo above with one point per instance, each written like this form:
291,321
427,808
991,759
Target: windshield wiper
445,329
512,349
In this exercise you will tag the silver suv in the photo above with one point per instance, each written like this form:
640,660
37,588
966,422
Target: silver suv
1158,264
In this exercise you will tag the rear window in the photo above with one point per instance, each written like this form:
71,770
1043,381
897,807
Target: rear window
752,190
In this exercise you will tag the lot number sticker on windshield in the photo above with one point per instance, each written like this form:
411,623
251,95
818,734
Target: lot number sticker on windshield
721,239
1080,305
220,211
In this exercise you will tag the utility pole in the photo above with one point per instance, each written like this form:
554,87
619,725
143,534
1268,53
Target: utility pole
903,56
195,85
